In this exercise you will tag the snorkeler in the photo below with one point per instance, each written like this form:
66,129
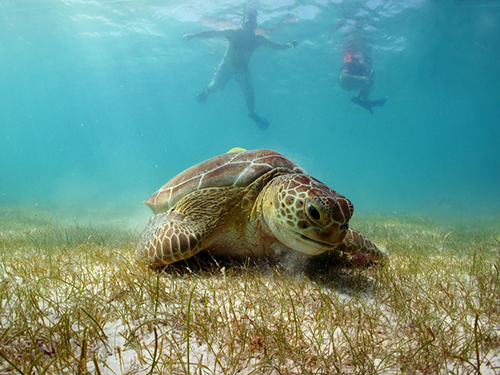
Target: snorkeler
357,74
242,42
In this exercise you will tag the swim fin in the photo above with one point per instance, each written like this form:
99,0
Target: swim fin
261,122
379,103
362,103
201,97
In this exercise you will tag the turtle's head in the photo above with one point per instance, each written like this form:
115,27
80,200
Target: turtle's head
305,214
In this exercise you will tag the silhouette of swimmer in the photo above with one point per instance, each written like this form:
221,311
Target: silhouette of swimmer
357,74
242,42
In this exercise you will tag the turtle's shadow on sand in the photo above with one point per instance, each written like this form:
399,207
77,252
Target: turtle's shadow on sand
334,272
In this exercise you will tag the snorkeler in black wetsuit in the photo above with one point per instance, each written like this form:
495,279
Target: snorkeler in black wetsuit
357,74
242,42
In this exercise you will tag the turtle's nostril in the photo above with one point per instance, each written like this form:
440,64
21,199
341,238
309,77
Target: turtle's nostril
344,227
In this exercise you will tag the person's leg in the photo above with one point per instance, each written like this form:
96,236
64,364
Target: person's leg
365,89
365,83
244,79
219,81
350,82
250,99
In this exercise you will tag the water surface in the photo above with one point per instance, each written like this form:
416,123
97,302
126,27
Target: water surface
97,100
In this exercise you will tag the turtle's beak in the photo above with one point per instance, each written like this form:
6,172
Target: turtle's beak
330,237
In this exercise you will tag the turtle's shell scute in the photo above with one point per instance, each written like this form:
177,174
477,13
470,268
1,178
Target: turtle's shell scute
234,169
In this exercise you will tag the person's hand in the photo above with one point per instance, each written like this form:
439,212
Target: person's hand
292,44
187,37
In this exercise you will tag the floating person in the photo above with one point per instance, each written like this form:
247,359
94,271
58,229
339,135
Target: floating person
357,74
242,42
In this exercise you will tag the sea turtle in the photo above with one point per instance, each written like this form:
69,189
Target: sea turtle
249,203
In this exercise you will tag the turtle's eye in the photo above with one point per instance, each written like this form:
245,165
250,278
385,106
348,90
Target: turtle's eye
312,212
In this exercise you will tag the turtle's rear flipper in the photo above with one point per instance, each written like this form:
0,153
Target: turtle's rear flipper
361,248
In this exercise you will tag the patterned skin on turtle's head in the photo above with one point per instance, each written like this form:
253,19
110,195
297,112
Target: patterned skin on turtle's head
305,214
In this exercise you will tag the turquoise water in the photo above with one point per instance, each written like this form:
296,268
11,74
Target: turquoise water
97,101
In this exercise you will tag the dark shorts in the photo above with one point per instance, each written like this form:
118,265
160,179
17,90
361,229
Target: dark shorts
224,73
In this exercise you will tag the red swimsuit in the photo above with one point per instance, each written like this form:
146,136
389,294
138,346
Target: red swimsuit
352,66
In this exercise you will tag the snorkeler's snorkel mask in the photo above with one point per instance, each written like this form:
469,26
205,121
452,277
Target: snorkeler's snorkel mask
249,22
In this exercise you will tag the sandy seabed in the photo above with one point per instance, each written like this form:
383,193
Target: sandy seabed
75,300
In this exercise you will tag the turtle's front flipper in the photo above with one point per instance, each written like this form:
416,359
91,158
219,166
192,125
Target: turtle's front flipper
361,248
170,237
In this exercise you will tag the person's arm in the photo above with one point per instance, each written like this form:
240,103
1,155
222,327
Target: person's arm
363,60
276,45
368,70
208,34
